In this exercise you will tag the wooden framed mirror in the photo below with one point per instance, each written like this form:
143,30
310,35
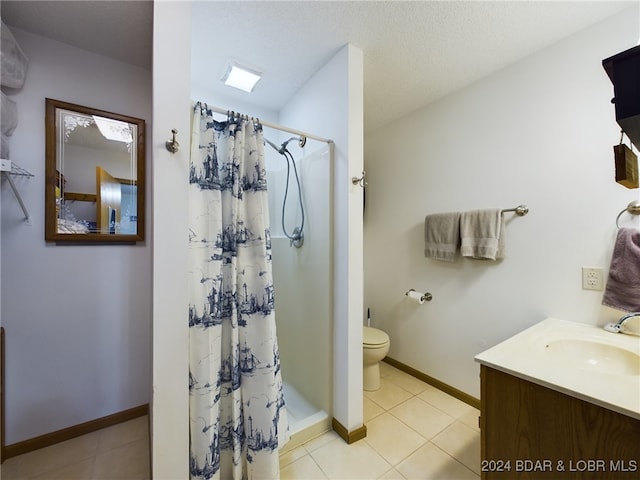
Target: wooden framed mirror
95,170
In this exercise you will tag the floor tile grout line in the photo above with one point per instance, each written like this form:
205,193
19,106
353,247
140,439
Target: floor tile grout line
122,445
394,465
426,385
326,475
47,469
433,406
72,460
427,440
454,458
418,395
413,429
456,419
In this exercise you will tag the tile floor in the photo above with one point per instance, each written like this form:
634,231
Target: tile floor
117,452
414,431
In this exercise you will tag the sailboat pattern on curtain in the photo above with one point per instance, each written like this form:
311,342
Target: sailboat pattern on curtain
237,415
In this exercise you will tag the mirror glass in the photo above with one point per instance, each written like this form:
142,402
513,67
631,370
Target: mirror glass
94,175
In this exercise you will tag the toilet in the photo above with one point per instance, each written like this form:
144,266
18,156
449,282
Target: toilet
375,346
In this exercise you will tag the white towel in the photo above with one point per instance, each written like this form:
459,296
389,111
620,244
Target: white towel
442,236
482,234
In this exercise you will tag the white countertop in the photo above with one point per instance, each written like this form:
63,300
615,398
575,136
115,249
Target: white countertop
527,355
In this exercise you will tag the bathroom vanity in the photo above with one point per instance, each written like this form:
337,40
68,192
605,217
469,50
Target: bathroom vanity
561,400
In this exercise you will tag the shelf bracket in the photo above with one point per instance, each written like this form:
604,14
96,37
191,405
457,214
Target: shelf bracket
15,170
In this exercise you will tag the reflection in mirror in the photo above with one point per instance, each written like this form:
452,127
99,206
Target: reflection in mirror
95,175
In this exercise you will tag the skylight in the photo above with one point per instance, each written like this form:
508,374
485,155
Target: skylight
114,129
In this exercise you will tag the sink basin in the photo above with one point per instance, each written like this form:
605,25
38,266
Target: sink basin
577,359
593,356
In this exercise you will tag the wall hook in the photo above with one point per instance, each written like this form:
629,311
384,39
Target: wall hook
172,145
359,181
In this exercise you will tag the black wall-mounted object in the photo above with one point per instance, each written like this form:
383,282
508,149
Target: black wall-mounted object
624,71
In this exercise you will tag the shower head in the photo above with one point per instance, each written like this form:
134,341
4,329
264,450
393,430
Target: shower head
302,140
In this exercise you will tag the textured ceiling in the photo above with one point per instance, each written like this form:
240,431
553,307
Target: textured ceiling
414,51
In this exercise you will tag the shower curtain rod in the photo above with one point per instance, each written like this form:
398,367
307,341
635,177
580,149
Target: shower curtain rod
274,125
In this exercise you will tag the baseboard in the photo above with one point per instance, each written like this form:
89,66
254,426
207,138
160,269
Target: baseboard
454,392
346,435
68,433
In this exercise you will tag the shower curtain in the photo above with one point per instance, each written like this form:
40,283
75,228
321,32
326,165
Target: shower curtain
236,403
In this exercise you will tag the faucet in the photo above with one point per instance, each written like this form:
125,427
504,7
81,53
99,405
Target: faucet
617,327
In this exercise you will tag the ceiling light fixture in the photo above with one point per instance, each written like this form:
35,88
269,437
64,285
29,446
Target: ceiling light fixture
241,77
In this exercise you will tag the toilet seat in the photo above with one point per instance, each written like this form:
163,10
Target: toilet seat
372,337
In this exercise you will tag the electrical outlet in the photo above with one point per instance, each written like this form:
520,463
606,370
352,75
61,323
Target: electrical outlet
592,278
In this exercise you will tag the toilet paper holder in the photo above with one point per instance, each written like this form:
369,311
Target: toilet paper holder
425,297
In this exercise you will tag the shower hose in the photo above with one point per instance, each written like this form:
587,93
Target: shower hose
296,237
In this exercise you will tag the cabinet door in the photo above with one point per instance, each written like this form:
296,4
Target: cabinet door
532,432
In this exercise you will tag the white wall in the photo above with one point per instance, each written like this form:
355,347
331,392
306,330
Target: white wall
540,133
77,318
171,89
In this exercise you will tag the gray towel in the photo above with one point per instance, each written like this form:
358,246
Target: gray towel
482,234
442,236
623,285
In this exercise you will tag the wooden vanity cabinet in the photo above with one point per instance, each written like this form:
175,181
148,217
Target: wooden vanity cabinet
532,432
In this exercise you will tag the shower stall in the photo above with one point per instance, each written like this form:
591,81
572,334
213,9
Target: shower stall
299,170
302,275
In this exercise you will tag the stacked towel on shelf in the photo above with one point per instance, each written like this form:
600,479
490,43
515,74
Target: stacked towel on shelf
442,236
623,285
482,234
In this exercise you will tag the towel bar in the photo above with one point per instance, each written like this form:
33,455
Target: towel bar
633,209
521,210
